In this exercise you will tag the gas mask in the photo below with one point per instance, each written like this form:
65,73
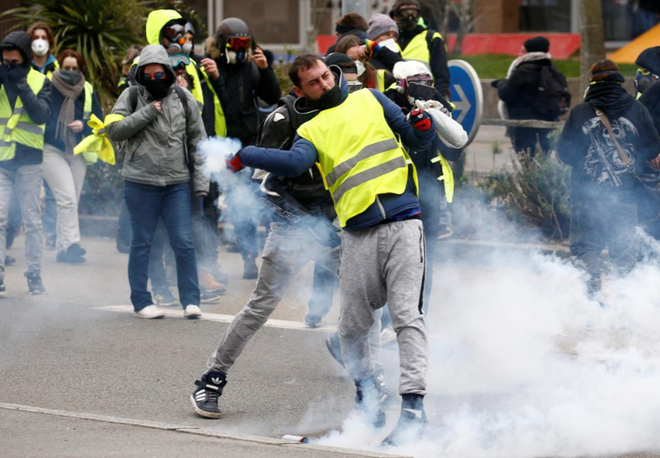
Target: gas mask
406,18
237,49
643,79
175,33
40,47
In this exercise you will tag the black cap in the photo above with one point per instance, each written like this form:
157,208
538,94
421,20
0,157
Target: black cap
649,59
342,61
537,44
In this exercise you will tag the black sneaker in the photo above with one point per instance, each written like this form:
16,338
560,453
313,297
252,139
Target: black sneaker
34,283
312,320
76,250
334,348
50,242
2,287
367,397
68,258
412,422
10,260
205,397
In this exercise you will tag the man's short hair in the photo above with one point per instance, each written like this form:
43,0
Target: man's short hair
352,21
302,62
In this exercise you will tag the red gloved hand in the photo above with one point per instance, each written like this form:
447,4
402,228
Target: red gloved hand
420,120
234,162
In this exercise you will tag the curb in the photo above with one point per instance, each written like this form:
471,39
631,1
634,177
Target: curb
196,431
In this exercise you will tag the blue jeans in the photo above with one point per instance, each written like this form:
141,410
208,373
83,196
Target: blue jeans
146,204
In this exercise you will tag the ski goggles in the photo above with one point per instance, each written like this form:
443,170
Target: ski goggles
407,11
174,32
179,60
239,43
422,80
158,76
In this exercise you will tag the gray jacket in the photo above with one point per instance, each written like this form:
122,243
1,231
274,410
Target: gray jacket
155,142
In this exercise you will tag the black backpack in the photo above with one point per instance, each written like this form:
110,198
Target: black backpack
553,98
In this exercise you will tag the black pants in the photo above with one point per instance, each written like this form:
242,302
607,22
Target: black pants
600,223
525,140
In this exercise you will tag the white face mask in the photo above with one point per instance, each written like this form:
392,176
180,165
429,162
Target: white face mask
360,67
40,47
390,44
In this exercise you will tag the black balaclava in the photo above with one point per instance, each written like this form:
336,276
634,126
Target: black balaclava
409,21
159,88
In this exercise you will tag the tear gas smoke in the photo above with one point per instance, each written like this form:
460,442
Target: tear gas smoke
523,364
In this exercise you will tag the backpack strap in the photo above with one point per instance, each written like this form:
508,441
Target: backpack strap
133,97
606,122
181,92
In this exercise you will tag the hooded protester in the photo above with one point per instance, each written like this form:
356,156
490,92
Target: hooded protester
233,58
160,135
25,109
73,101
603,178
521,98
648,72
417,42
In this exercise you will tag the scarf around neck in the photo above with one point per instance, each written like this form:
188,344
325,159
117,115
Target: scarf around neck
67,113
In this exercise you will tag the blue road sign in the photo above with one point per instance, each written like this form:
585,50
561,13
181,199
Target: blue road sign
465,91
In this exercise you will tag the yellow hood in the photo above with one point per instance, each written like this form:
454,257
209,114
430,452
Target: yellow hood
156,21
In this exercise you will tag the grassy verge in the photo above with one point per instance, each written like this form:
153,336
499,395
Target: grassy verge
496,65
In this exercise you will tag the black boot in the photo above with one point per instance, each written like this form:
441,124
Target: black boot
205,397
412,421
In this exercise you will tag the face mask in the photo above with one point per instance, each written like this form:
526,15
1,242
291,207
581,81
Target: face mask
390,44
40,47
328,100
407,23
360,67
158,88
643,80
236,57
71,77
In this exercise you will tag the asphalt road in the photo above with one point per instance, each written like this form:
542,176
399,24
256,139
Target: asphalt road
81,376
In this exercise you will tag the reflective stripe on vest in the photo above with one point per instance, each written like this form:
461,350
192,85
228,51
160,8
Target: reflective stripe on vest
15,125
220,122
418,48
87,108
359,156
380,82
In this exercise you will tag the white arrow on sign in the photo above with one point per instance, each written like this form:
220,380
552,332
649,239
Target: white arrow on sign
463,105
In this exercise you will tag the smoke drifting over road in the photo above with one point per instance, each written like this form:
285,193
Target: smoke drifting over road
523,364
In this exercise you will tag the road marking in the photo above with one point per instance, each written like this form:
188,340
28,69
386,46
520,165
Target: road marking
192,430
220,318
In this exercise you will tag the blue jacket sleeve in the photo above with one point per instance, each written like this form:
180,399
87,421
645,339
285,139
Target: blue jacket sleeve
291,163
410,136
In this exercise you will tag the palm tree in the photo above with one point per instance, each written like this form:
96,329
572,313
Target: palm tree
100,30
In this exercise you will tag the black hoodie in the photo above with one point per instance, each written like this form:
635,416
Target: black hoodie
36,106
586,146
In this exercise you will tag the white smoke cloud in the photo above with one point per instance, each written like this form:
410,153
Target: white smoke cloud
523,364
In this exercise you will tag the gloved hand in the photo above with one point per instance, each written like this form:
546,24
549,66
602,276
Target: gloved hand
234,162
420,120
16,74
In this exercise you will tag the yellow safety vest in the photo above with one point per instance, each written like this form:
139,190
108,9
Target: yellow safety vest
87,108
359,155
219,114
17,126
418,48
191,69
380,82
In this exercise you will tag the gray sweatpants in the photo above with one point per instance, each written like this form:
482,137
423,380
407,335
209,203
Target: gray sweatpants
26,182
379,265
287,251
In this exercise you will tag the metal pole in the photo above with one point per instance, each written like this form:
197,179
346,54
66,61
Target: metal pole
357,6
